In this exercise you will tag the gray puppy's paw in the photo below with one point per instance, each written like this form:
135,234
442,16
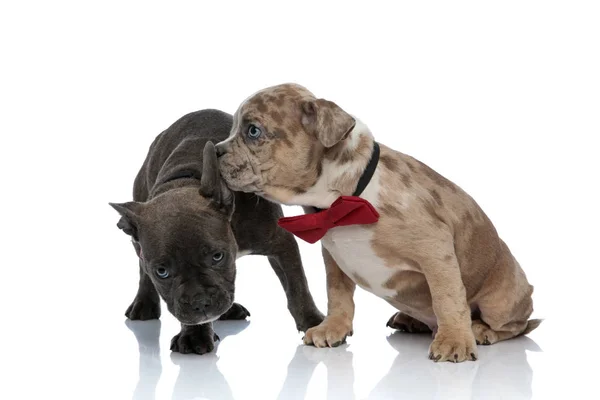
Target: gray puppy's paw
236,312
143,309
310,320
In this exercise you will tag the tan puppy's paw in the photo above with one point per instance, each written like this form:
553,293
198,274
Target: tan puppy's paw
330,333
483,333
406,323
453,345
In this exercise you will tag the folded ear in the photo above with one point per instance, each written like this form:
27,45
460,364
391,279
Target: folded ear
327,121
129,217
212,185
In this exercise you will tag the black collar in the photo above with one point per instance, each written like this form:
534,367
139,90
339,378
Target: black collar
368,172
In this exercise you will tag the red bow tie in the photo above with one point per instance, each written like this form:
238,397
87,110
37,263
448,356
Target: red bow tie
346,210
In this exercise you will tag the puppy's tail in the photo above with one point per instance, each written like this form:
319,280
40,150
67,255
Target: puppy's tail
531,325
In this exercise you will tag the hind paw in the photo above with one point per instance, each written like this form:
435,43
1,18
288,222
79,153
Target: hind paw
406,323
483,333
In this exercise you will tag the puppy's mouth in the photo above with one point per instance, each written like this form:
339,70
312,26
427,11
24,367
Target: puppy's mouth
246,187
205,319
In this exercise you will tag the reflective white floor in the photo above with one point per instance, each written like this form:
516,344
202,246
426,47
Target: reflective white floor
504,371
85,348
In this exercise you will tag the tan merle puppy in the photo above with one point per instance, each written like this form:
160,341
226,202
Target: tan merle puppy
433,254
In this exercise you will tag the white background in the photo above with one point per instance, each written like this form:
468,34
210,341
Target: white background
503,98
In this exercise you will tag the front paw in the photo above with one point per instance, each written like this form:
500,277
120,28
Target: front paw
143,309
330,333
194,340
455,345
236,312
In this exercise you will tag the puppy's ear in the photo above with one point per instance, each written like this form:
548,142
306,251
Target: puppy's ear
327,121
129,221
212,185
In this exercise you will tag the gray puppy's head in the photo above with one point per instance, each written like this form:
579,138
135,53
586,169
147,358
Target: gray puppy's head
186,244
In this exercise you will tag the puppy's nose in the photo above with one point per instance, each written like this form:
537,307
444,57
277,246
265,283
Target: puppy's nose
200,303
220,150
197,303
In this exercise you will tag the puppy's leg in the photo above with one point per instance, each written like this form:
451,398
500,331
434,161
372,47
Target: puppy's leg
454,339
237,311
406,323
199,339
287,264
340,308
146,304
507,305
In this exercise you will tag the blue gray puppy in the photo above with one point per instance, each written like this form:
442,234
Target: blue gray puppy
188,229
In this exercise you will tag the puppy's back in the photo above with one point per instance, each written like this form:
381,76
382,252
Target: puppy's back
195,128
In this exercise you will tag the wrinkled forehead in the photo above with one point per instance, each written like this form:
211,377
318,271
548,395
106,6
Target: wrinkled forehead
273,100
184,214
185,233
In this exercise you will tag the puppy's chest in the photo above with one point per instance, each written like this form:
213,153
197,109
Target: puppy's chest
351,248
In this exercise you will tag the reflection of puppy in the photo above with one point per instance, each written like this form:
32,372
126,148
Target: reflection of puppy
495,377
197,377
409,371
188,229
433,254
147,335
200,378
340,373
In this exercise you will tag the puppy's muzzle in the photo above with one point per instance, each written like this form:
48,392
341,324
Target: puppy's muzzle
198,306
195,304
222,148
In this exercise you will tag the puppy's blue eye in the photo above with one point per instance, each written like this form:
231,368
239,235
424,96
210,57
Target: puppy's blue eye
254,132
218,256
162,272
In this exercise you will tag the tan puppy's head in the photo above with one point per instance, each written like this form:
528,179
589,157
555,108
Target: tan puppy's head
278,140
